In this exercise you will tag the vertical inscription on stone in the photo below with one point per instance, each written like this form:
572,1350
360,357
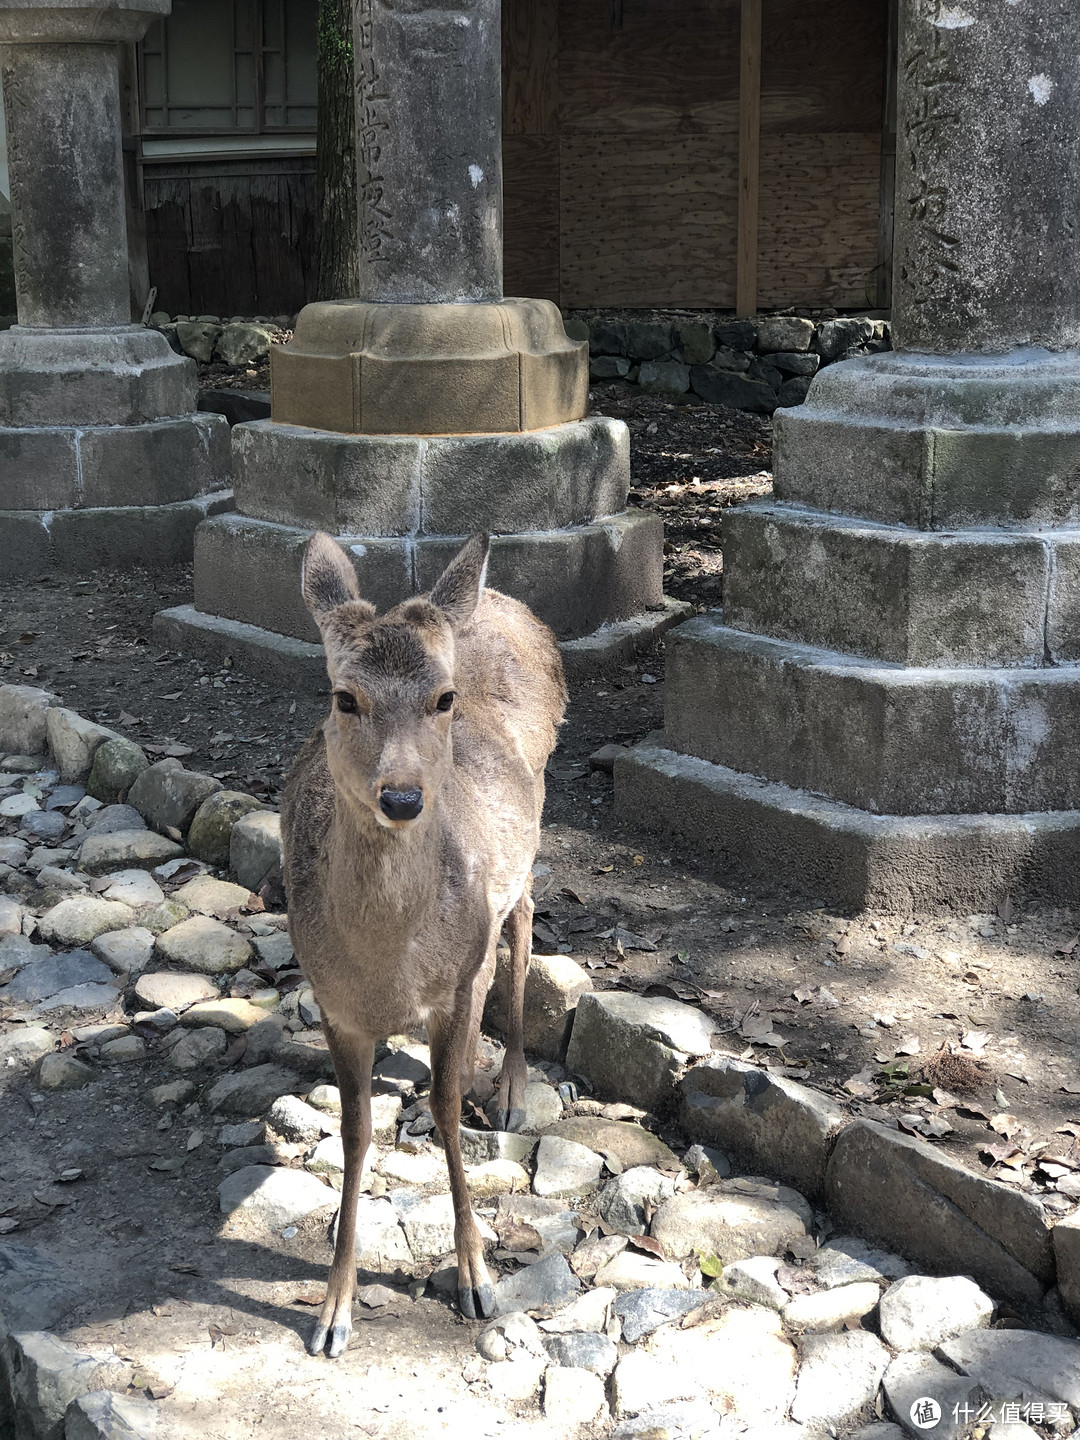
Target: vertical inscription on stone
15,105
372,131
931,264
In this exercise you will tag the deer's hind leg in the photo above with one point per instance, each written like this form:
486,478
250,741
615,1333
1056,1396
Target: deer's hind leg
353,1057
514,1075
480,988
448,1037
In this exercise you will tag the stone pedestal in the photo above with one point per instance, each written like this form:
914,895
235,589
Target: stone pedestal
103,459
887,712
430,407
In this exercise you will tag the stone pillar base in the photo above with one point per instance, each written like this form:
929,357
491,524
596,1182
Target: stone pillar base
937,441
779,837
34,542
295,663
124,375
358,367
575,579
888,711
161,462
104,459
402,505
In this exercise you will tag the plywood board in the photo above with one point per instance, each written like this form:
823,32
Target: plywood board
749,157
823,65
530,60
664,65
648,219
818,219
531,216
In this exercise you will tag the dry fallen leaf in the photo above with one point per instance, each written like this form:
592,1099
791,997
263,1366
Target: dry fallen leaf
1004,1124
648,1244
375,1296
976,1040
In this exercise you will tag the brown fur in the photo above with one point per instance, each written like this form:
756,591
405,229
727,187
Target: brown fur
395,923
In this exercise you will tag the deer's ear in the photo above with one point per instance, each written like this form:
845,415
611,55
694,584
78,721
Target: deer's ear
458,589
328,579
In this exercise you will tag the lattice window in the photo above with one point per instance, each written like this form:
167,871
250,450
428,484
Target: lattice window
230,67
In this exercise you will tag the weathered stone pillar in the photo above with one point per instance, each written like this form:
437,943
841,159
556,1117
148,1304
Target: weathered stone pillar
429,151
429,407
888,710
102,458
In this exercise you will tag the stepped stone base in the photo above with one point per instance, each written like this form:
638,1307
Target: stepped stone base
792,840
115,375
443,485
287,661
33,542
975,597
104,459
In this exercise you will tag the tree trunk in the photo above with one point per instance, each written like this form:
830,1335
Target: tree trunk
335,164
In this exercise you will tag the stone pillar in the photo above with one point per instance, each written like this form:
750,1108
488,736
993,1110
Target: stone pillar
103,459
62,105
888,710
429,151
429,407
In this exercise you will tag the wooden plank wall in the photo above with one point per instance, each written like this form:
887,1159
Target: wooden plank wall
622,149
232,238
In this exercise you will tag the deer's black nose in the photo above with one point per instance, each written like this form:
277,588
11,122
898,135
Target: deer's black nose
401,804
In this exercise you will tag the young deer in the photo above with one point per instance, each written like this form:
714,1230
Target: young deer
410,821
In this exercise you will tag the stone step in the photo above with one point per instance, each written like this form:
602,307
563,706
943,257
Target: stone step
888,739
437,485
575,579
907,596
932,441
78,541
777,836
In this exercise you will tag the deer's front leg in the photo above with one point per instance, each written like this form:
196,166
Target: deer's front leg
448,1039
514,1074
353,1057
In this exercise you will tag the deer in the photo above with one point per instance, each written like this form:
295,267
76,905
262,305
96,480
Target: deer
410,826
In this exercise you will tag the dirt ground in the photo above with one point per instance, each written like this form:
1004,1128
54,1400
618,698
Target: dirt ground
960,1028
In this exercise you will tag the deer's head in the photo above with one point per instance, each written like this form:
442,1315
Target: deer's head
388,735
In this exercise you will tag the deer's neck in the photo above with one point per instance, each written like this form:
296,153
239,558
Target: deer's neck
389,876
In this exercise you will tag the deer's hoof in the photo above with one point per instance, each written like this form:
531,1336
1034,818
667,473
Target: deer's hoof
333,1339
476,1303
510,1119
339,1340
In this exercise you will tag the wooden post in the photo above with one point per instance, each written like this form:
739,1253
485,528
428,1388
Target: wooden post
749,157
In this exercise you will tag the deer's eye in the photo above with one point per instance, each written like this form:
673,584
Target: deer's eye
445,700
345,702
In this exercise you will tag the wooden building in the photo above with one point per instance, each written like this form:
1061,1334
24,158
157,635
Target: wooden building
657,153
